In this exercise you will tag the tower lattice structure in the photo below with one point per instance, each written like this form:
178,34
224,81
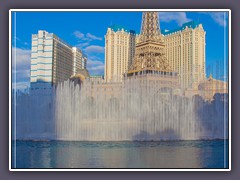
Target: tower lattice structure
150,47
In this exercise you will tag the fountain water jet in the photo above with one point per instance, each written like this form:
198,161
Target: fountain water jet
142,110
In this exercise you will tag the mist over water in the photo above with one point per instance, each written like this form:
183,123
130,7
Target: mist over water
143,110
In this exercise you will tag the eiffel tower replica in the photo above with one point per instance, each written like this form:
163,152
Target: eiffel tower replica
150,48
150,61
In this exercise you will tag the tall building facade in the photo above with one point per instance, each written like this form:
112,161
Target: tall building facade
53,60
119,52
185,51
79,60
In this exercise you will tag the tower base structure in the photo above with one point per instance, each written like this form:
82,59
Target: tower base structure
152,78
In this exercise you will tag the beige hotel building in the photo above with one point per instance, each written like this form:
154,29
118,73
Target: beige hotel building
119,52
185,51
53,60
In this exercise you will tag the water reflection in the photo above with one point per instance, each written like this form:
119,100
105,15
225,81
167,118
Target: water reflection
169,154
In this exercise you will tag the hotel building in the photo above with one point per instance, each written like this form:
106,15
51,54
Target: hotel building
119,52
185,51
53,60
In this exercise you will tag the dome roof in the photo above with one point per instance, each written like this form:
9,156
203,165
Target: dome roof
80,76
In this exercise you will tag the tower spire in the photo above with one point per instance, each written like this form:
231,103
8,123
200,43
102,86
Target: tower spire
150,29
150,47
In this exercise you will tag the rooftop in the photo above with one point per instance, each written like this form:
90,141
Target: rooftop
191,24
117,27
52,35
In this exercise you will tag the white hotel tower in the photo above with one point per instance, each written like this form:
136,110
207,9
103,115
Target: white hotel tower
53,60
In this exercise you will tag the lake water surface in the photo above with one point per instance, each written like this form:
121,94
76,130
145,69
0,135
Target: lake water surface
164,154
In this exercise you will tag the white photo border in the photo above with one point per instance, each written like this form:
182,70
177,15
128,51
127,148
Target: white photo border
114,10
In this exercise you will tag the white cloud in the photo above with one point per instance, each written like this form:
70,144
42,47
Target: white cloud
20,85
95,66
21,76
95,58
218,17
78,34
91,36
81,45
94,49
86,37
21,59
178,17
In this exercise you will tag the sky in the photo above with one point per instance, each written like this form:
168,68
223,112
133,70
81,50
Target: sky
86,30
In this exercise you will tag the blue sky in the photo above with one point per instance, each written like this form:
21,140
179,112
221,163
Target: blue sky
86,30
